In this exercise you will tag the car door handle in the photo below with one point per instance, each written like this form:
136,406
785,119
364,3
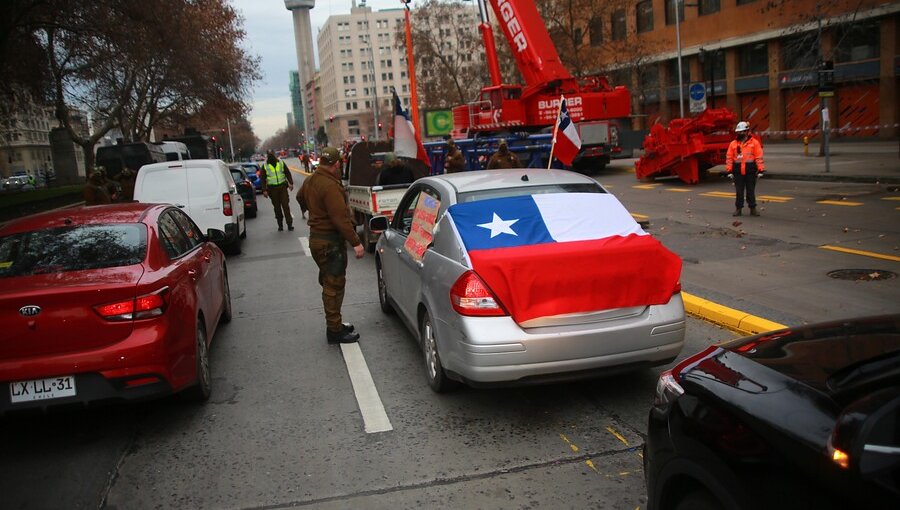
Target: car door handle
192,273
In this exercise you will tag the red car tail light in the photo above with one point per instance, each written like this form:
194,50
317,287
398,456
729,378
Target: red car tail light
471,296
141,307
226,204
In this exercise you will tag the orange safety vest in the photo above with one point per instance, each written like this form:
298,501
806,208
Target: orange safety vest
750,150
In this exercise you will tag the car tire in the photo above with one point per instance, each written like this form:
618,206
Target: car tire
234,247
201,391
699,499
434,370
225,318
250,214
383,299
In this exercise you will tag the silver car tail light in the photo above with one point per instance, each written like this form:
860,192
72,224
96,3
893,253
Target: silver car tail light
470,296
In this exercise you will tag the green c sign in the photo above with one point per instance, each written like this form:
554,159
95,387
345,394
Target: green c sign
438,122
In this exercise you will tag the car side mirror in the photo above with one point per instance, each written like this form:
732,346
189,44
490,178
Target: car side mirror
215,235
378,224
866,438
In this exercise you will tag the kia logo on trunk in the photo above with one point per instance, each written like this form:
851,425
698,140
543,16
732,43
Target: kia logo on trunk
30,310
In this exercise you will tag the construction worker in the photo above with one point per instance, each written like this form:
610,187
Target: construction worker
503,158
455,161
331,227
747,153
277,181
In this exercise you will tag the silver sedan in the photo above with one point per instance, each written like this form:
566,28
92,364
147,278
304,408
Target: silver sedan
479,327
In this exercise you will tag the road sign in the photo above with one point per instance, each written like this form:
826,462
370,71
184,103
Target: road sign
698,97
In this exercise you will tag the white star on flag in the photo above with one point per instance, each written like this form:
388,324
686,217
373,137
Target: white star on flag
499,226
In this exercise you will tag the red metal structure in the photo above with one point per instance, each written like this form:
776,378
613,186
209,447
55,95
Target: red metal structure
534,105
687,147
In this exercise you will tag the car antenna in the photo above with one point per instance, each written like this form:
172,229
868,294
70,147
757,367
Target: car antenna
525,177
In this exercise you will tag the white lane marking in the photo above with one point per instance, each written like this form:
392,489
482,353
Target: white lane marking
304,245
374,416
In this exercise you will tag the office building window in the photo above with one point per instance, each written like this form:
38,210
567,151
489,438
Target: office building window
670,11
705,7
714,60
742,2
644,14
595,31
857,41
672,72
649,76
618,25
799,51
753,59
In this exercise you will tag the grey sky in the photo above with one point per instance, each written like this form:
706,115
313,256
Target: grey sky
270,35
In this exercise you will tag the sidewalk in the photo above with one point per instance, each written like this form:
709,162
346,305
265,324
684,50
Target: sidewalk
850,161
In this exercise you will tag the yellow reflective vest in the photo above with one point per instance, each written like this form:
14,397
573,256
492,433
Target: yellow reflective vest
275,174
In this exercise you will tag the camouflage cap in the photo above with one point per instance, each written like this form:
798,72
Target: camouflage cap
329,156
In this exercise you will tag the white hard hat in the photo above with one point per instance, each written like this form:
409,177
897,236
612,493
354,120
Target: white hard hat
742,126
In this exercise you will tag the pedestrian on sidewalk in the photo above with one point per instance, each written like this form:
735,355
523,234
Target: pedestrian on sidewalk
277,181
331,227
747,152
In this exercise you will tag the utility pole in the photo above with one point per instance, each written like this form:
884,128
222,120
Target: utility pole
678,43
230,142
825,73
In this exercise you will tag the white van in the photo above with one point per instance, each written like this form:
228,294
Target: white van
175,151
203,188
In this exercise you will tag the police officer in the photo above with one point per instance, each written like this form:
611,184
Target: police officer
277,181
95,192
330,228
455,161
747,152
503,158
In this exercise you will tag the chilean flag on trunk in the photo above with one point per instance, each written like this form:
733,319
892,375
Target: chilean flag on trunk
407,143
561,253
566,142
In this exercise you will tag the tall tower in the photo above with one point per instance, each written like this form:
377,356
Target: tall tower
306,64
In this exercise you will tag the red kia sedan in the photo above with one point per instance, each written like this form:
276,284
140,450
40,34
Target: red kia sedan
107,303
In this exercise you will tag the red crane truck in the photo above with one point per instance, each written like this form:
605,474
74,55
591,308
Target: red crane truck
594,105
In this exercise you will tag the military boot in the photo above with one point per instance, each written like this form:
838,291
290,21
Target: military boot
754,212
343,336
737,212
280,226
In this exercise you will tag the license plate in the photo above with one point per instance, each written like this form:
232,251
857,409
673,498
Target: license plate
42,389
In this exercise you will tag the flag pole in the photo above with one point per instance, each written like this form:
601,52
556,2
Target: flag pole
555,128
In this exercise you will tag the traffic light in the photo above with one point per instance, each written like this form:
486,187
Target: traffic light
380,125
214,139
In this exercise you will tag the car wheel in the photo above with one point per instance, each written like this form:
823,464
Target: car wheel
226,305
250,214
699,500
434,371
201,391
234,247
244,233
382,290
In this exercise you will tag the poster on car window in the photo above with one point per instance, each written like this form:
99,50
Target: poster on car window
421,233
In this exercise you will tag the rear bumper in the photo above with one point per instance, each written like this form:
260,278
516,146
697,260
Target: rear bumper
494,350
102,374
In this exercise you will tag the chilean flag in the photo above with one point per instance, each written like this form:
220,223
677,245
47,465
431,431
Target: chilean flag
407,143
566,142
560,253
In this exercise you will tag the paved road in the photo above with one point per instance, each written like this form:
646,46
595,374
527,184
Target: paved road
284,428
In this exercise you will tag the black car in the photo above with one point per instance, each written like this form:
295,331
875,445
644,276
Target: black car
245,188
796,418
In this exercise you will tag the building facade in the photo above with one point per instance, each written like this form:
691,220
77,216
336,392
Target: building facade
296,99
25,141
360,63
763,57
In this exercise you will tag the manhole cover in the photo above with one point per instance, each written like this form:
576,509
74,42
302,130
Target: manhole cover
866,275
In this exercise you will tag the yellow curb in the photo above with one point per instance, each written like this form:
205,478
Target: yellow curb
736,320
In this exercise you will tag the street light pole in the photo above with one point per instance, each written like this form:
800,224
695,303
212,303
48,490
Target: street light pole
230,142
678,43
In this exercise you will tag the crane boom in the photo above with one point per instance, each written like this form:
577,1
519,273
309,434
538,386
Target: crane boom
530,42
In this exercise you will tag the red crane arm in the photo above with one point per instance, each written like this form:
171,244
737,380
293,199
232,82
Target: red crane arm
530,42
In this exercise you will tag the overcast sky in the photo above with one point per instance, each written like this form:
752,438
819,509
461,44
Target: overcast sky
270,35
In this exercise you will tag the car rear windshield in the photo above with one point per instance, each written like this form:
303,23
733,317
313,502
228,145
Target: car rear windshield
237,176
72,249
473,196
